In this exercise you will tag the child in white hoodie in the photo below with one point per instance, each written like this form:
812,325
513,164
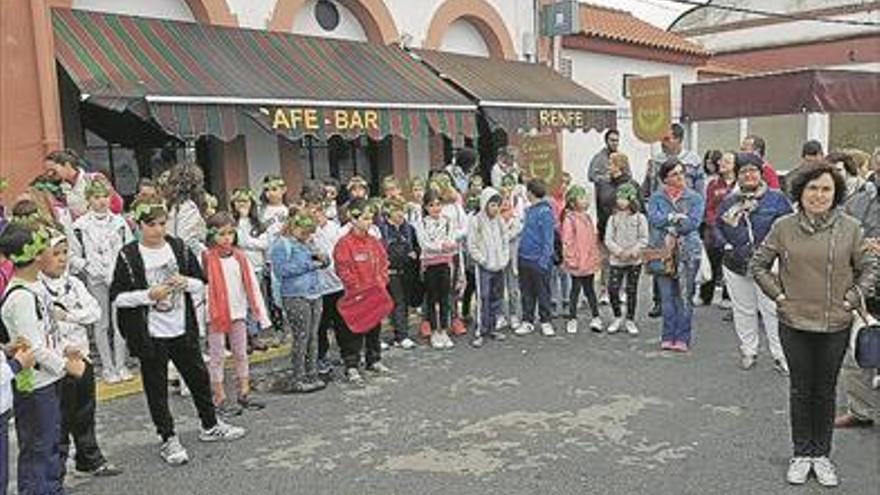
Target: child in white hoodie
488,244
98,237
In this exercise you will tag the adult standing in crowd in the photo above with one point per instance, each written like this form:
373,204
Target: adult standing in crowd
742,221
722,178
606,203
597,172
675,212
461,167
505,165
67,166
863,400
756,144
824,268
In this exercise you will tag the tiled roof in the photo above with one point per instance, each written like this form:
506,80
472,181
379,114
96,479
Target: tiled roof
620,25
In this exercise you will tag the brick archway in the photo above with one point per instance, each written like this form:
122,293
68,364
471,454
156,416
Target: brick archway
373,15
213,12
482,16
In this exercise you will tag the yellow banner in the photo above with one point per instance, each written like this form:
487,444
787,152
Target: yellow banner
651,107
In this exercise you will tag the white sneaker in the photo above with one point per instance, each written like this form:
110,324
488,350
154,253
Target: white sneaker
547,330
524,328
615,325
111,378
572,326
500,323
631,327
173,453
596,324
447,341
222,432
125,375
747,361
354,376
604,300
826,473
384,346
378,368
437,340
184,389
514,322
799,470
407,343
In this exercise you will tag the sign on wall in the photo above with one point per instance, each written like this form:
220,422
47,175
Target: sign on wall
539,154
651,107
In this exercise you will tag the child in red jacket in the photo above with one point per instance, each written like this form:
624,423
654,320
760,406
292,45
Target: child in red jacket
361,263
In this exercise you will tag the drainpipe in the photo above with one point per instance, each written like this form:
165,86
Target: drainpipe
46,76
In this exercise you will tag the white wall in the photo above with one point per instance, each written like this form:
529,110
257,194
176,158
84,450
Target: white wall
779,34
261,148
603,74
419,155
165,9
253,14
349,27
463,37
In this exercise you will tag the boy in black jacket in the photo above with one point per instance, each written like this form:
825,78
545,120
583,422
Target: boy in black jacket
402,248
153,284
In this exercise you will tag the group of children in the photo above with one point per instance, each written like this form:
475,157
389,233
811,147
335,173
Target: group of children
169,279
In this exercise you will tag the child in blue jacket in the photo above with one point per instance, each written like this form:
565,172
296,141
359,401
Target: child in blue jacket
535,260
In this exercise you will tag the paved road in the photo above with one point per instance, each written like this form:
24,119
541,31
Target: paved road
605,414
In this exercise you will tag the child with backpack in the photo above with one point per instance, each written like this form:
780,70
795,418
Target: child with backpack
580,256
98,237
26,314
233,293
402,249
626,235
488,246
73,308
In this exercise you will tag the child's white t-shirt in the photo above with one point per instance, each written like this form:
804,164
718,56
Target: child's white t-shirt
167,318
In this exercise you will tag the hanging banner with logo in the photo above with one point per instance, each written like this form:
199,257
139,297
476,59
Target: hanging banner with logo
651,107
539,155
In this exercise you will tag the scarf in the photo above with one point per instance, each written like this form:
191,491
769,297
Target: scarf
746,202
674,193
219,317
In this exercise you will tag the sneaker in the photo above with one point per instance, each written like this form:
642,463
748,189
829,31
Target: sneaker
406,343
780,366
631,327
524,328
378,368
477,342
446,340
596,324
656,311
354,376
500,323
111,378
425,329
515,322
615,325
222,432
499,337
384,346
437,341
173,453
680,346
666,345
547,330
572,326
458,327
227,409
106,470
826,473
125,374
747,361
603,299
248,403
324,366
799,470
184,389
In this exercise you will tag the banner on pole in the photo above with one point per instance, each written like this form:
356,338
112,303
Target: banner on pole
651,107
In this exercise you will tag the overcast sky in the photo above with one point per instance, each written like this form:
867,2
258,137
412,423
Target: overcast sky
657,12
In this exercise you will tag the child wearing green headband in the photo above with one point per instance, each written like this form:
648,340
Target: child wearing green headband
626,235
402,250
580,255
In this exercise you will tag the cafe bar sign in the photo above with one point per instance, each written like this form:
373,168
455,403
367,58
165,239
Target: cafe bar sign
311,120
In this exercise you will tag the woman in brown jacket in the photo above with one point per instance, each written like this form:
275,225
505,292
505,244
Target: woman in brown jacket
823,267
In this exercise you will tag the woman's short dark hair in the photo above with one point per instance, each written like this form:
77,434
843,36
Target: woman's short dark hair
809,173
849,163
667,167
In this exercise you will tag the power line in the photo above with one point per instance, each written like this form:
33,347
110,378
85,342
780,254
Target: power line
777,15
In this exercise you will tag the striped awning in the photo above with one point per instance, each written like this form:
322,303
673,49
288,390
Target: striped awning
522,96
196,79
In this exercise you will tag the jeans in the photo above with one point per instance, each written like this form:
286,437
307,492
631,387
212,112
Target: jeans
303,317
184,352
676,296
78,421
490,290
4,451
400,313
512,304
38,428
629,274
560,287
534,285
814,360
748,301
585,283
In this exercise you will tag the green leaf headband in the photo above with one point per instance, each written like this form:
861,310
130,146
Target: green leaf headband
574,193
96,188
303,221
142,210
244,195
274,183
30,251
